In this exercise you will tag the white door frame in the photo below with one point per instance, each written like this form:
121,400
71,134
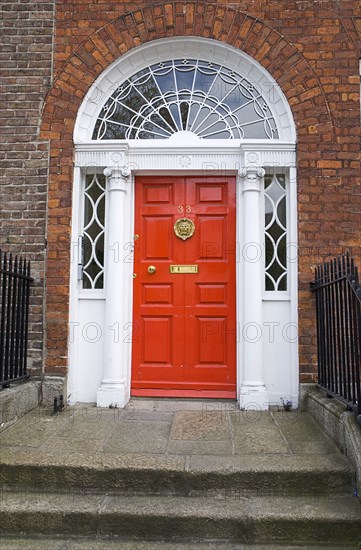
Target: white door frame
121,163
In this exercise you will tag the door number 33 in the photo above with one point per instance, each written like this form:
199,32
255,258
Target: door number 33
181,209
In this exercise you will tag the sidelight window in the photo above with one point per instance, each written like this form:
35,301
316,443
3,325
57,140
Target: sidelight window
275,198
93,232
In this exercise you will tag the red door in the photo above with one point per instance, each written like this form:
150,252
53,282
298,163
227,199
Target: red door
184,337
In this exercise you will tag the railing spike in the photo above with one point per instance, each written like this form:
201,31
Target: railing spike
348,263
339,270
352,270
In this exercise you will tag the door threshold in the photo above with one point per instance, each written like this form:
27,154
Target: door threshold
187,394
176,404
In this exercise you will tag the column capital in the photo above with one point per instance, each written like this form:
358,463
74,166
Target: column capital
252,176
118,177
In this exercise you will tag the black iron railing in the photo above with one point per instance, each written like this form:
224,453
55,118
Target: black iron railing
338,310
14,313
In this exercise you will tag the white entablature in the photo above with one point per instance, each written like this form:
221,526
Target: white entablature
142,157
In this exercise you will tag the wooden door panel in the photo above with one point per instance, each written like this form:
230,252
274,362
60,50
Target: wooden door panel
155,233
157,294
211,294
156,360
184,348
209,193
157,329
212,240
211,340
155,194
208,361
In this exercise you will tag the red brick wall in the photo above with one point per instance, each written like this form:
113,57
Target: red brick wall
26,69
310,47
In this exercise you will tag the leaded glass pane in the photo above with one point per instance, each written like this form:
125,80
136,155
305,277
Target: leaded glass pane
186,95
275,233
93,231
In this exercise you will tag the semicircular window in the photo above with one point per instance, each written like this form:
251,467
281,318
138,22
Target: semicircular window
190,95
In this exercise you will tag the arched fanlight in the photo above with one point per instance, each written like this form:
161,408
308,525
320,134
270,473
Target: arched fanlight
201,97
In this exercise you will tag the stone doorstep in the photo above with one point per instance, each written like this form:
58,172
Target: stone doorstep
31,470
107,543
305,498
252,520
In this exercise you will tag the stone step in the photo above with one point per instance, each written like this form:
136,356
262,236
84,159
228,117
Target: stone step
107,543
291,475
253,520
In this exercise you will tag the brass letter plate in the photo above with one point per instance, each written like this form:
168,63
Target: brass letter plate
183,268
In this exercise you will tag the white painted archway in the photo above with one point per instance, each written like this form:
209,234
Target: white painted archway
101,319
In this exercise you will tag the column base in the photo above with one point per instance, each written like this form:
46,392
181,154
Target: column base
112,394
254,398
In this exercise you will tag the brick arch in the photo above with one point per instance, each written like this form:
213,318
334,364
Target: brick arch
240,30
278,56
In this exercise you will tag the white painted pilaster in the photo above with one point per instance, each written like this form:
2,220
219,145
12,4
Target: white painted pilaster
114,389
253,392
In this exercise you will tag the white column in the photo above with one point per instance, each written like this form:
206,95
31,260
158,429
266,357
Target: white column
114,389
253,393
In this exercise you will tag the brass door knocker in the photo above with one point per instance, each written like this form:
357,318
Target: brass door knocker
184,228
